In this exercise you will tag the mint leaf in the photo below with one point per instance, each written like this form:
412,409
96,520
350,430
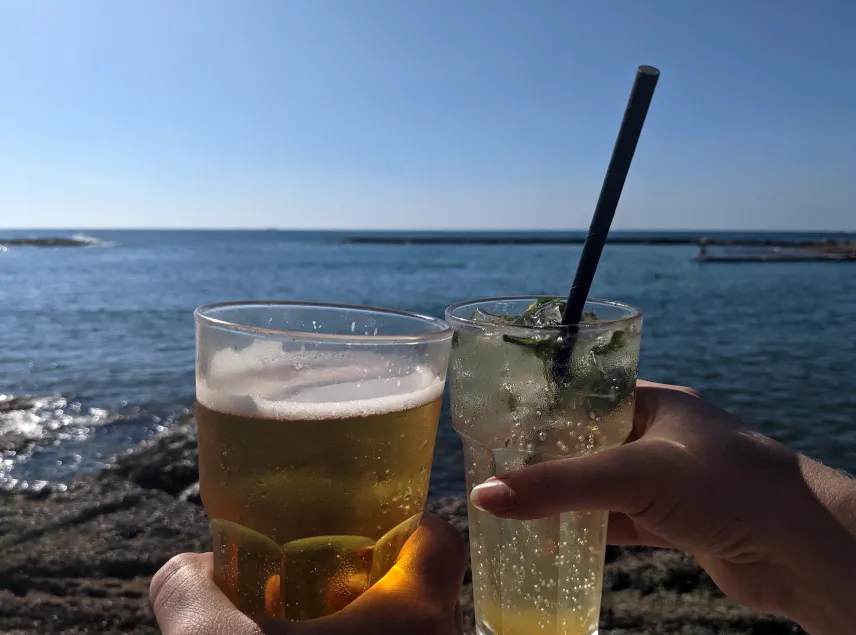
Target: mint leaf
540,348
589,388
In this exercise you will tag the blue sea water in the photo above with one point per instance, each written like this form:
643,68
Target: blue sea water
102,337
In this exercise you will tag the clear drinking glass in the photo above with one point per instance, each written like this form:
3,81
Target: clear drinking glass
316,433
511,410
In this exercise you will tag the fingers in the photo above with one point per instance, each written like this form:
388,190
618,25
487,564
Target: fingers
433,561
623,531
187,602
650,397
642,383
623,479
618,479
419,595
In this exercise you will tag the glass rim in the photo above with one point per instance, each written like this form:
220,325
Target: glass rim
634,313
201,317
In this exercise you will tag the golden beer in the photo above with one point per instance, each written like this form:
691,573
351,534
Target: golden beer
316,434
307,512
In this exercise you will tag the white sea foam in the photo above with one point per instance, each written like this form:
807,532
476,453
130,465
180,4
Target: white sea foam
262,380
92,241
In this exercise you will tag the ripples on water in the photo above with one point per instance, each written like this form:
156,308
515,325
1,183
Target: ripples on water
102,338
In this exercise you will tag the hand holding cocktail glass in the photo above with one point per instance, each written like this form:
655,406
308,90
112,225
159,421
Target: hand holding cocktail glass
775,530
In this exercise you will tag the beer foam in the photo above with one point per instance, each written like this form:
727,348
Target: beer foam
265,381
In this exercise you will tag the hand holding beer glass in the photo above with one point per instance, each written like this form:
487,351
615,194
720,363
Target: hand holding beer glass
316,434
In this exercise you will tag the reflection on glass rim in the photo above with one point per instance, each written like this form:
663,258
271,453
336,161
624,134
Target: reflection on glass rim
202,315
632,314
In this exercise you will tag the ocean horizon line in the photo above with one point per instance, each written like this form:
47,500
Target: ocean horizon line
41,230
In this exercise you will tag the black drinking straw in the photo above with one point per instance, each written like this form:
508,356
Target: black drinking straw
616,174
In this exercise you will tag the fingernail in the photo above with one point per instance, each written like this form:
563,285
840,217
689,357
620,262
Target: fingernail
492,496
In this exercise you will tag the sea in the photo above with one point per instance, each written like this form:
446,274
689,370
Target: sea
97,343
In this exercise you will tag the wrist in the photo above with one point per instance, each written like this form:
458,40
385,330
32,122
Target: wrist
825,574
826,616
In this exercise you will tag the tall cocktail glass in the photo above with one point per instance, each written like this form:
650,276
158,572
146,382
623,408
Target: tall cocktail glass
512,410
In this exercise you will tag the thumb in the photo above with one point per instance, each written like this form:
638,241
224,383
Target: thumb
186,600
431,564
620,479
418,594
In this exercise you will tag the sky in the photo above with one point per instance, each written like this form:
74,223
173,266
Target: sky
414,114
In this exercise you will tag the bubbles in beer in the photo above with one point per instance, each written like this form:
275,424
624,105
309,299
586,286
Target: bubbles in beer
325,455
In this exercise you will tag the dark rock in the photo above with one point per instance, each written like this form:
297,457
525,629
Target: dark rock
45,242
79,561
17,403
169,462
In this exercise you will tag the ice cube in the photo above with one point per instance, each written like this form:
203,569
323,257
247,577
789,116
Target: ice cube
542,313
480,315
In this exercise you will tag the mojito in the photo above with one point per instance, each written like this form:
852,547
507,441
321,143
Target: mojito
512,409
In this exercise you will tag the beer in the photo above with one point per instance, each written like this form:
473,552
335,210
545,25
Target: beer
313,480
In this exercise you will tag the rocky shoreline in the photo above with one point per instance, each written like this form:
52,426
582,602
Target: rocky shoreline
79,560
57,241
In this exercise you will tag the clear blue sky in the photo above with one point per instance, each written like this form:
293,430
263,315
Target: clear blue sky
482,114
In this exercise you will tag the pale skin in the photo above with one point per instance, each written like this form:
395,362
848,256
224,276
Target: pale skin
774,529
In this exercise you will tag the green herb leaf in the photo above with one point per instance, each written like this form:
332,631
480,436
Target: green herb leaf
589,387
540,348
542,302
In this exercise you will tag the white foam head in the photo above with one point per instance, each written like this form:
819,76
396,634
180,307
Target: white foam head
262,380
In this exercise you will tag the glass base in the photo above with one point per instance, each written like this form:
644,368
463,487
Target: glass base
484,629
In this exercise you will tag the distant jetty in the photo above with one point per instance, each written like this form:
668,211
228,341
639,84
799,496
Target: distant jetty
804,255
710,249
811,251
579,240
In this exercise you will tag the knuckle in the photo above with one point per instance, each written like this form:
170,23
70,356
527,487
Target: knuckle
547,485
687,390
660,467
451,538
667,452
456,540
169,576
456,548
